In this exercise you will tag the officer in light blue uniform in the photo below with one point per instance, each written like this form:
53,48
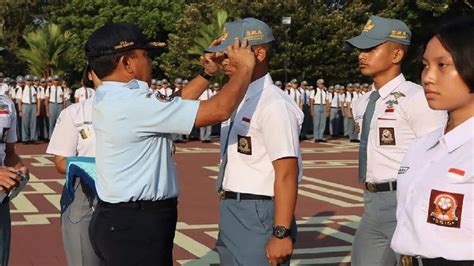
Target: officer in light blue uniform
28,100
136,175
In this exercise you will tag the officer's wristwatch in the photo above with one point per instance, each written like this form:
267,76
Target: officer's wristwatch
204,74
280,232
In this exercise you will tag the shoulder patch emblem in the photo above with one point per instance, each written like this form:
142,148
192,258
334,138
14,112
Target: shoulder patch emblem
244,145
163,98
445,208
4,110
403,170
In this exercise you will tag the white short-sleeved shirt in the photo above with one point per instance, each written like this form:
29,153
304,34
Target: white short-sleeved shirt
7,125
73,133
55,94
336,99
265,128
401,114
41,92
84,93
166,91
206,95
4,89
347,98
133,128
435,195
319,96
296,96
23,94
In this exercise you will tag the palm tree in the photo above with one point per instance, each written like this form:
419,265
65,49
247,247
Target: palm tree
47,47
208,33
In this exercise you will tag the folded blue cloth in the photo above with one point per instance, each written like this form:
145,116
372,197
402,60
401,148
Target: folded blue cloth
82,167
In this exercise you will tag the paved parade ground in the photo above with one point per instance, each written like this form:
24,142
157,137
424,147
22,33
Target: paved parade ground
328,210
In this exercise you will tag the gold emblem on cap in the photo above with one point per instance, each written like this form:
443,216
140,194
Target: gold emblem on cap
123,44
369,25
254,35
398,34
224,35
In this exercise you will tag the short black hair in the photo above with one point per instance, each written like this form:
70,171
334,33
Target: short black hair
106,64
457,37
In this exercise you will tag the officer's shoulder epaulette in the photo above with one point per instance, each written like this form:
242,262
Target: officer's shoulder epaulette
132,85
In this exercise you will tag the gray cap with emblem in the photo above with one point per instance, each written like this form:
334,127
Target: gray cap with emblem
378,30
254,30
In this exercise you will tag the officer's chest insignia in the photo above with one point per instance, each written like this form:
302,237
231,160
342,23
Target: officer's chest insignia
163,98
85,133
445,208
387,136
244,145
148,95
403,170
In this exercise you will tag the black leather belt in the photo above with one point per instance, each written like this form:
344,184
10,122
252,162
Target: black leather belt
414,261
381,187
242,196
28,103
142,204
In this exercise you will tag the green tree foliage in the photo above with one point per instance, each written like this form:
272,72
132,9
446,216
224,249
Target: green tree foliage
47,47
157,18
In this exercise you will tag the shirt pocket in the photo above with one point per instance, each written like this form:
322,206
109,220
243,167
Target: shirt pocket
386,132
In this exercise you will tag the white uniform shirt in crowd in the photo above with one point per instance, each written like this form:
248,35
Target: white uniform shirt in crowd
206,95
347,98
166,91
336,99
83,93
73,134
435,195
7,125
355,96
4,89
401,114
67,94
41,92
24,94
265,128
296,96
55,94
306,95
319,96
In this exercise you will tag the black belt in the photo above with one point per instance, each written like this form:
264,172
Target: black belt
335,107
381,187
142,204
242,196
321,104
28,103
414,261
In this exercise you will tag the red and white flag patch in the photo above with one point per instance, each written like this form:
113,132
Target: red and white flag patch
456,174
246,119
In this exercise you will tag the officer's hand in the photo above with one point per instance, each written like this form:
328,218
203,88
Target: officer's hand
357,128
279,249
209,63
8,179
327,113
240,55
20,114
312,112
37,114
47,114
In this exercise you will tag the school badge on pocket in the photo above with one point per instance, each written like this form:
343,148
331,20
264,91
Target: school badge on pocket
387,136
245,145
445,208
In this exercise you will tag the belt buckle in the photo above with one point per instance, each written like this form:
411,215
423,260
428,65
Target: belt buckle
371,187
406,260
221,194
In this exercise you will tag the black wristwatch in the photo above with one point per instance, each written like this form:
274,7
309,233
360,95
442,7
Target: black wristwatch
205,75
280,232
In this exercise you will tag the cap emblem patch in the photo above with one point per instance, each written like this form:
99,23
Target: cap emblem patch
254,35
368,26
398,34
123,44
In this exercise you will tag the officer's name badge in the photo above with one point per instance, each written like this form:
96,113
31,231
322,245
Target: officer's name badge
445,208
85,133
403,170
245,145
163,98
